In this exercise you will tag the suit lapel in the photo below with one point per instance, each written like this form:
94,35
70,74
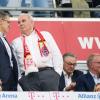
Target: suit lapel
3,46
75,76
90,81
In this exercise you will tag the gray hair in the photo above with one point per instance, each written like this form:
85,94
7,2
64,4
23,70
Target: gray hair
26,14
69,55
91,58
3,14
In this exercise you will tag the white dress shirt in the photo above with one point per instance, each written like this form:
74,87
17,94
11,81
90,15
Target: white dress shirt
68,79
7,48
96,79
54,59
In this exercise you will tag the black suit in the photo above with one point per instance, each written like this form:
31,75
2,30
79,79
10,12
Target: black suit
8,74
85,83
75,75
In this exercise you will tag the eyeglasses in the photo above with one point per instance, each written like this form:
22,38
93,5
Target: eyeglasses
69,63
96,62
6,20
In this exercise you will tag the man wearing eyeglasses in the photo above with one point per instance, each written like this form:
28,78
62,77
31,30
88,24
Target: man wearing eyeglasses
87,81
69,75
8,64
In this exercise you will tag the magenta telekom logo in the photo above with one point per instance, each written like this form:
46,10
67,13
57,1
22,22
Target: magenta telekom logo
31,95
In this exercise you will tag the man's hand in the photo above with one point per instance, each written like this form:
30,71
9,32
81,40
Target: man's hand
70,87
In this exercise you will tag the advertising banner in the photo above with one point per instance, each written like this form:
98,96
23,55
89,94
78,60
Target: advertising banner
49,96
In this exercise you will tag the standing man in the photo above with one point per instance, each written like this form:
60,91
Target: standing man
87,81
38,56
8,64
69,74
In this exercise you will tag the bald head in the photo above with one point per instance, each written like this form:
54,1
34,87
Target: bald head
26,24
26,15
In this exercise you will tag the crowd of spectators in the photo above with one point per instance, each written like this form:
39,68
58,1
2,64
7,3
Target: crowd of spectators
75,4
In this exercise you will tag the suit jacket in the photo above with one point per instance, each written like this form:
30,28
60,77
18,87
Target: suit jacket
75,75
85,83
8,74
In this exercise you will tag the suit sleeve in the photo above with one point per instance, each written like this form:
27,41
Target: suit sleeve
80,84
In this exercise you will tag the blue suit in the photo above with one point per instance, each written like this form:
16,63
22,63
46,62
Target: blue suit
75,75
85,83
8,74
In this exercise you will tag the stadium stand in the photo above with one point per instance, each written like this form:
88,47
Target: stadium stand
45,8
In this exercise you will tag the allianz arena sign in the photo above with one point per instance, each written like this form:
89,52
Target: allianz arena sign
79,36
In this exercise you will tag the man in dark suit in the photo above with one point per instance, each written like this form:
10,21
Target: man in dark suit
8,64
87,81
69,74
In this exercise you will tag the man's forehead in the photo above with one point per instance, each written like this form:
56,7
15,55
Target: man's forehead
23,17
69,57
97,57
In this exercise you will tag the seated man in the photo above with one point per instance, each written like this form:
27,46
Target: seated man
69,74
87,81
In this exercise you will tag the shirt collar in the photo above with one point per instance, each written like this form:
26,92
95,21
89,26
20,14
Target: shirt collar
93,75
1,34
65,74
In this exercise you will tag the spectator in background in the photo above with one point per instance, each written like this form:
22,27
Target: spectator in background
87,81
96,14
38,56
97,88
66,4
69,75
80,4
95,3
75,4
90,3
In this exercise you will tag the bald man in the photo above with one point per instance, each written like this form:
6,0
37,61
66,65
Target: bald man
38,57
